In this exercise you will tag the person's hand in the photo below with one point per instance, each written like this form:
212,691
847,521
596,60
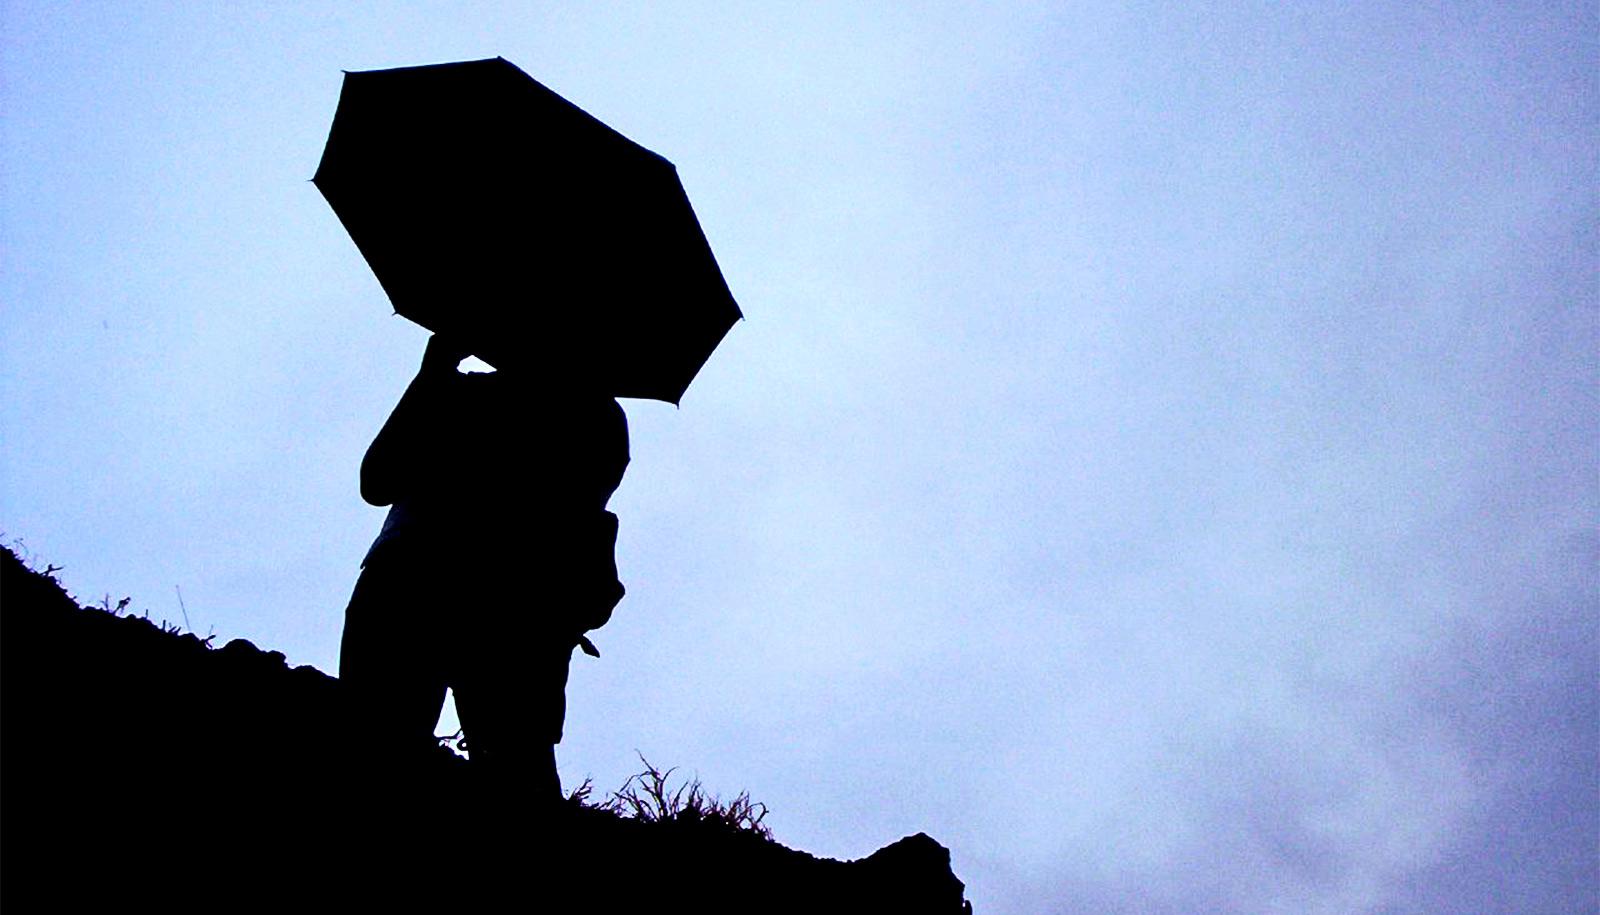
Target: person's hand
443,354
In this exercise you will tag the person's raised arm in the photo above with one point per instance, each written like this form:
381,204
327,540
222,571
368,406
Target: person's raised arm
400,450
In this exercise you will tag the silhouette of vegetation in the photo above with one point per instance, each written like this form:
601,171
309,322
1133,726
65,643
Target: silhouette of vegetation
649,797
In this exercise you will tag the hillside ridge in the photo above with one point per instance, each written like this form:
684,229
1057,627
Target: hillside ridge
141,762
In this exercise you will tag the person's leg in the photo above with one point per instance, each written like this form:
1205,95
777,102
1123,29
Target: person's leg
512,702
389,663
392,691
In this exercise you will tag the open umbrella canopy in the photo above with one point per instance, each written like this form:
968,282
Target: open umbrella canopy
491,208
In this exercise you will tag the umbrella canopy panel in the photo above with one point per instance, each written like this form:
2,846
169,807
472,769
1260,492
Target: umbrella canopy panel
490,207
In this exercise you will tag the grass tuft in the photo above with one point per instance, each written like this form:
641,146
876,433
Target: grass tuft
650,797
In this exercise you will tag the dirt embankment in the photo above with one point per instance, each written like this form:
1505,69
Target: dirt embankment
138,763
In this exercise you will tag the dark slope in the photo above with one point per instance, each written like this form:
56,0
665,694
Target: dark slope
140,764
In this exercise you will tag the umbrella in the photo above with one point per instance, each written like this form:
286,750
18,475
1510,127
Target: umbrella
491,208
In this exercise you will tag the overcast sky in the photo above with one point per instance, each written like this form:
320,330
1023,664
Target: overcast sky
1159,461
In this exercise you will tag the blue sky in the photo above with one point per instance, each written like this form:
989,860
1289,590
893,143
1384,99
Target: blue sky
1159,460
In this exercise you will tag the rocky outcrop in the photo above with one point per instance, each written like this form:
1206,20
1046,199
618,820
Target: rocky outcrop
139,764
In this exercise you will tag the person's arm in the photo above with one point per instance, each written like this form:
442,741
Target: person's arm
403,445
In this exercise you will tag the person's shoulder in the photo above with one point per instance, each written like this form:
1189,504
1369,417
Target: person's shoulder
603,411
596,403
618,415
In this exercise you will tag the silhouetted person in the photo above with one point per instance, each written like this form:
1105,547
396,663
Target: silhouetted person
495,559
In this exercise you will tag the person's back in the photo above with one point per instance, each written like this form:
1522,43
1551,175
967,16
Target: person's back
488,457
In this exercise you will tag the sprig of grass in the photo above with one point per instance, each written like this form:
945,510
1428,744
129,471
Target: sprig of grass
650,797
